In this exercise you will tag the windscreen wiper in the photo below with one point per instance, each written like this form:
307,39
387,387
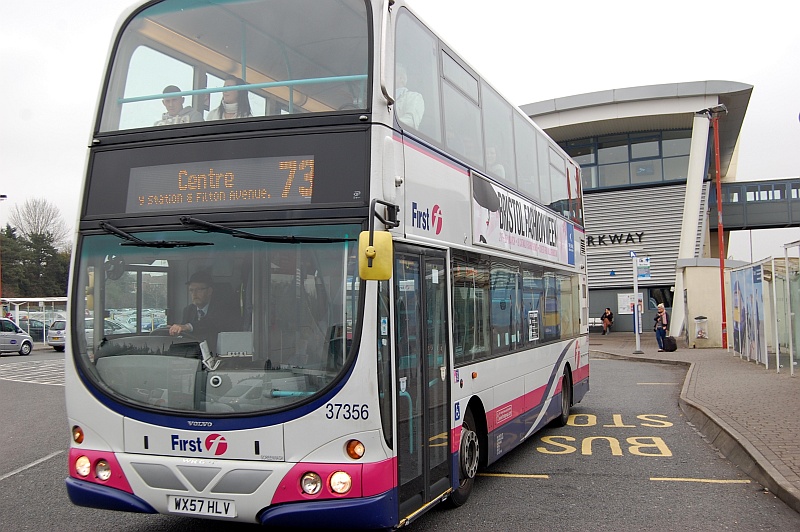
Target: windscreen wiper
277,239
135,241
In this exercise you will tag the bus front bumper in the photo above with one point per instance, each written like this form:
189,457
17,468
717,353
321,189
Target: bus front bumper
377,512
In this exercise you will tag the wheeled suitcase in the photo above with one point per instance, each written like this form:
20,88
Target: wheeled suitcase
670,344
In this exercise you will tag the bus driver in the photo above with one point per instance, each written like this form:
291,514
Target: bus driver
205,316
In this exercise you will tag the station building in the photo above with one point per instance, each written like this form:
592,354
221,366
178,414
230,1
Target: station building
648,170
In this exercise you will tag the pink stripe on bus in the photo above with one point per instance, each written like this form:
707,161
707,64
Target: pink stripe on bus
509,411
455,439
117,479
368,479
430,153
379,477
580,374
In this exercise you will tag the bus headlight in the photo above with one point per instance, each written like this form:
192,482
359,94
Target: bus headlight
311,483
102,470
83,466
341,482
355,449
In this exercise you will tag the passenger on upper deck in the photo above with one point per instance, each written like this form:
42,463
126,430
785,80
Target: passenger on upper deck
409,105
176,112
492,164
234,104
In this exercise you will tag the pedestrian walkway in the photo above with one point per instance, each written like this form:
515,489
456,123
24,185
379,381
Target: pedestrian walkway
751,414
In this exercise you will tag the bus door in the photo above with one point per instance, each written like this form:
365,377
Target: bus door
423,422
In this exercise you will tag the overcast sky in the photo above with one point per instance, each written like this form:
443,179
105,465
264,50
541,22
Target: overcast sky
53,53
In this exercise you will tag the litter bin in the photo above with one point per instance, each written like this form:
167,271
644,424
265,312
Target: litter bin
701,327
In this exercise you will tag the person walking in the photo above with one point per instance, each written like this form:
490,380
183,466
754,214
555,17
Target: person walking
661,326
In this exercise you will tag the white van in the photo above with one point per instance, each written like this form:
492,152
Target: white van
14,339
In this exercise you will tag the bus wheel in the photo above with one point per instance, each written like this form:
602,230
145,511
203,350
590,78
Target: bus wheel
469,454
566,399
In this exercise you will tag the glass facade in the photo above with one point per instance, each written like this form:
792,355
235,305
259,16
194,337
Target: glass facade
632,159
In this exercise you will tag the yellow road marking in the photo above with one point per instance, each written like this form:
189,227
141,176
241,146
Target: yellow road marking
512,475
702,480
658,384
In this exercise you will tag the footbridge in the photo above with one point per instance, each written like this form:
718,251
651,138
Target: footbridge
758,204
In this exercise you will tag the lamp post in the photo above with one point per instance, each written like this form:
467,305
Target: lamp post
714,114
3,197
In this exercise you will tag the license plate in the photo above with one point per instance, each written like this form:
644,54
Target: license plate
201,506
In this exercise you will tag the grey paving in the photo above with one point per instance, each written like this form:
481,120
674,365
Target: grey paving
751,414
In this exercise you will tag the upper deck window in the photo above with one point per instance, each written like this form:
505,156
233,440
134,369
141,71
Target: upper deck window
189,61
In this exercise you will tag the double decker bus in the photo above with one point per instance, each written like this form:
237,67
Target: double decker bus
349,273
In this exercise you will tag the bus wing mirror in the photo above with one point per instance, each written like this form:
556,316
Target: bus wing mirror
375,259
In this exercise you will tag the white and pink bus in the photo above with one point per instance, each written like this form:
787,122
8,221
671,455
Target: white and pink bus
344,273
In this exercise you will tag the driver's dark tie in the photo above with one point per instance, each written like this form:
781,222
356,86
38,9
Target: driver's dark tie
200,314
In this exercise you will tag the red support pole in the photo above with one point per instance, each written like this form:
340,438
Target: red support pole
720,235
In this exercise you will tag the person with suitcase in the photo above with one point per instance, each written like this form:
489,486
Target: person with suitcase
661,327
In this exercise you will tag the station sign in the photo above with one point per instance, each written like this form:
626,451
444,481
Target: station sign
643,268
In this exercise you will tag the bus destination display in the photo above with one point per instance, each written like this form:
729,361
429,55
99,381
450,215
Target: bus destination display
253,182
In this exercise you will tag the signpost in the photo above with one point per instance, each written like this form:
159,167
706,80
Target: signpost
637,311
643,268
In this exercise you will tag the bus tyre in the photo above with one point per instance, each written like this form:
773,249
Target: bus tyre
469,453
566,399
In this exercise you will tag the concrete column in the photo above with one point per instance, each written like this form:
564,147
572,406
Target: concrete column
698,155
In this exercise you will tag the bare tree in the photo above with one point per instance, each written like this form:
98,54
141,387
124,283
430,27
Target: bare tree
37,216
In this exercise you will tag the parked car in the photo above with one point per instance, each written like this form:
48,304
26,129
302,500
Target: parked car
12,338
57,335
152,324
33,327
246,392
109,327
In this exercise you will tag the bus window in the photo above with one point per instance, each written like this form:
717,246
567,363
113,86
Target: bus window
462,120
532,304
166,71
505,313
525,151
543,156
558,183
552,316
459,77
291,59
278,316
567,308
470,310
498,136
575,193
416,72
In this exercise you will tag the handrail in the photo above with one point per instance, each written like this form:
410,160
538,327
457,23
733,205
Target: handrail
288,83
384,24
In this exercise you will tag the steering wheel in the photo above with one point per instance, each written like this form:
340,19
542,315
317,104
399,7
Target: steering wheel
164,331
